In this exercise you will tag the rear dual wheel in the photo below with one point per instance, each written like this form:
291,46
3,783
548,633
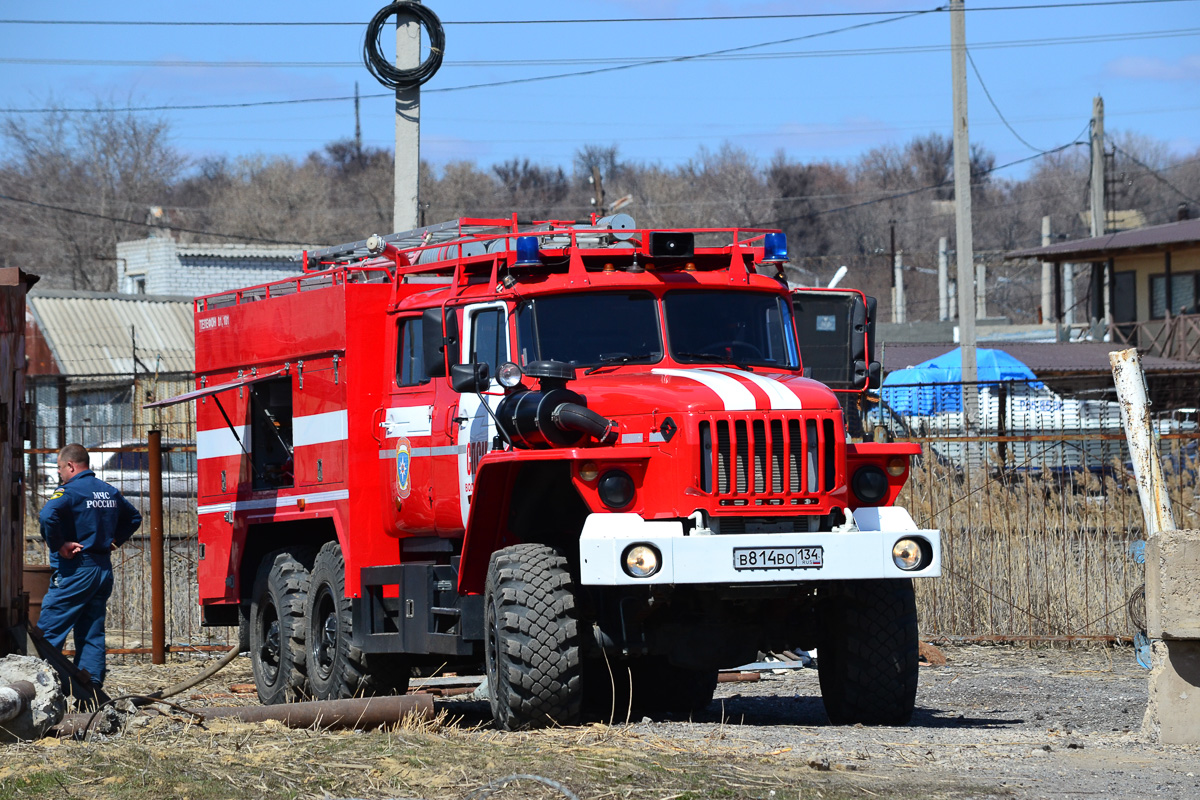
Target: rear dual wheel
277,629
336,668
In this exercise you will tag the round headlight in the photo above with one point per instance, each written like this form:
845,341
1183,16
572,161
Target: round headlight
907,554
897,465
509,374
641,561
616,489
588,471
870,484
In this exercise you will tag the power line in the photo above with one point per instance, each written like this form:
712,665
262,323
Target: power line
625,60
1155,173
592,21
78,212
675,59
995,107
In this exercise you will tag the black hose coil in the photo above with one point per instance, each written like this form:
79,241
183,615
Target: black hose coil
386,72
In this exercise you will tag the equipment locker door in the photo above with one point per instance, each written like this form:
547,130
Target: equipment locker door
406,434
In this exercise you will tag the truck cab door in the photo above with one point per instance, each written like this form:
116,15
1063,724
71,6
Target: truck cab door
485,339
406,433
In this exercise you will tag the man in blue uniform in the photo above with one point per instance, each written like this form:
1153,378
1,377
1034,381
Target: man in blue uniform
82,523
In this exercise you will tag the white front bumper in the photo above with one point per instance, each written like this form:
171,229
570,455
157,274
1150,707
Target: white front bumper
699,559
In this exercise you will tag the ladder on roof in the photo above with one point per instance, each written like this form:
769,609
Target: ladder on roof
440,233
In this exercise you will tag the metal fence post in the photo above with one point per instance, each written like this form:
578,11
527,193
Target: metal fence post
157,600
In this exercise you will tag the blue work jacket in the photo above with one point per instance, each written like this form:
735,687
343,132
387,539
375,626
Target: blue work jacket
87,510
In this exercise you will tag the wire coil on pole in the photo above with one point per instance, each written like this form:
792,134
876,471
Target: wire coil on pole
388,73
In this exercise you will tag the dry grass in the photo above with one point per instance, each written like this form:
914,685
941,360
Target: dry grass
1038,555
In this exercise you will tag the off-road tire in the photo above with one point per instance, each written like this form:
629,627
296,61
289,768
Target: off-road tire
336,668
532,638
867,653
277,628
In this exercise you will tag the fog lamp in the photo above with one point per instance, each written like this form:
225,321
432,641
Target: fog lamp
896,465
907,554
508,374
870,484
641,561
588,471
616,489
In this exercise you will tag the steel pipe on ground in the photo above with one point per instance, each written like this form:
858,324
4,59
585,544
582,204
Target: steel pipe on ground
359,713
15,697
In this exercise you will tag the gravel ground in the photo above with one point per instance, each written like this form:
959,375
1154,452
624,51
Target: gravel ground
993,722
997,721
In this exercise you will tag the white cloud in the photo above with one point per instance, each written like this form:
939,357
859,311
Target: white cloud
1186,68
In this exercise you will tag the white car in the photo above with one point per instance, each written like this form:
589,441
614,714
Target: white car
129,470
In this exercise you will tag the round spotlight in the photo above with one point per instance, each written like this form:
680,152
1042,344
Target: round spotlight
908,554
588,471
870,484
509,374
616,489
896,465
641,561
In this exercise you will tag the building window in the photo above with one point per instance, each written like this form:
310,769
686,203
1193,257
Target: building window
139,285
1185,294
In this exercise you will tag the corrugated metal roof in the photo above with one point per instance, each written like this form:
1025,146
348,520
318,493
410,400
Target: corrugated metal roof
1041,357
92,333
281,252
1160,237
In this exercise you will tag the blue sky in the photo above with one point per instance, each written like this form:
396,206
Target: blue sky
828,97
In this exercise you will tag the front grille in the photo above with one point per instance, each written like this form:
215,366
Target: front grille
768,462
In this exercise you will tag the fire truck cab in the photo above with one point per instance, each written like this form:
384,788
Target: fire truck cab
578,455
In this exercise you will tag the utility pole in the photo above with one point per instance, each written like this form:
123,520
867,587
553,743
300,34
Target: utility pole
897,278
1044,313
943,280
964,244
1099,212
1097,188
598,190
408,127
357,129
898,274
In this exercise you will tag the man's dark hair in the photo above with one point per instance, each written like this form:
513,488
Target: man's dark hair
75,454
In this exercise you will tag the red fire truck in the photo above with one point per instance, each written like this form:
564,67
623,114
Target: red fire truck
561,451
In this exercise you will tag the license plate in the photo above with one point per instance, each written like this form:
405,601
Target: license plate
778,558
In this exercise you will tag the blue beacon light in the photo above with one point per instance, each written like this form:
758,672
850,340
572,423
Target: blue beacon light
528,254
775,248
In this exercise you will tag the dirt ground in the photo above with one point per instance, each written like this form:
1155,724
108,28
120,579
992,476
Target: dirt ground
994,722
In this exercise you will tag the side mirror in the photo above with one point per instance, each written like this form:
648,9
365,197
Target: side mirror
874,375
470,378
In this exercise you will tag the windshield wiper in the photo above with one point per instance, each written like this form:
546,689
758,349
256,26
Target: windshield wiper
611,359
713,358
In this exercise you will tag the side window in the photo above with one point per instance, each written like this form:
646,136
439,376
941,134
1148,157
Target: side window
488,339
271,433
410,360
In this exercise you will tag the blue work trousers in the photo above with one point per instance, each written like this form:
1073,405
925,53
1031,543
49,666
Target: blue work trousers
78,598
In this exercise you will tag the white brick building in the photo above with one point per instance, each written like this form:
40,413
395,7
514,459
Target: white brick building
161,266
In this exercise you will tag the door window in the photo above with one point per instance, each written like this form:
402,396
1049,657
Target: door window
489,343
410,361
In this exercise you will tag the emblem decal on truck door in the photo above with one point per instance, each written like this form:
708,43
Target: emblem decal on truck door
403,464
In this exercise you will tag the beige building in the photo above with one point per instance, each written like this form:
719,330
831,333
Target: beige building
1144,283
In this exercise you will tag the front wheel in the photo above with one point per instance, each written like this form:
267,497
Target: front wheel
867,653
532,638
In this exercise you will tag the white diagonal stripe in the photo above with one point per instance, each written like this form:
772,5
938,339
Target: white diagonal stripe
782,396
733,394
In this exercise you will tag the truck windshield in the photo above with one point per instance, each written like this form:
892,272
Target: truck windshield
742,328
590,329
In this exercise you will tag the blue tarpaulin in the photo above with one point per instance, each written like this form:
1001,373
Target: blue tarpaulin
934,386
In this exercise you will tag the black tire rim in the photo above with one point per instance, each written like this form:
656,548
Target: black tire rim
272,645
325,639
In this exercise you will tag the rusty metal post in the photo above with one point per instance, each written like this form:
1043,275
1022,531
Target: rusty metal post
158,636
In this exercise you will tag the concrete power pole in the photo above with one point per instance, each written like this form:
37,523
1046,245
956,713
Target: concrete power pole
1047,278
965,247
408,128
943,280
901,302
1097,189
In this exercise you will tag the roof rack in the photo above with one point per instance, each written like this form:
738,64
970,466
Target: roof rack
440,233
